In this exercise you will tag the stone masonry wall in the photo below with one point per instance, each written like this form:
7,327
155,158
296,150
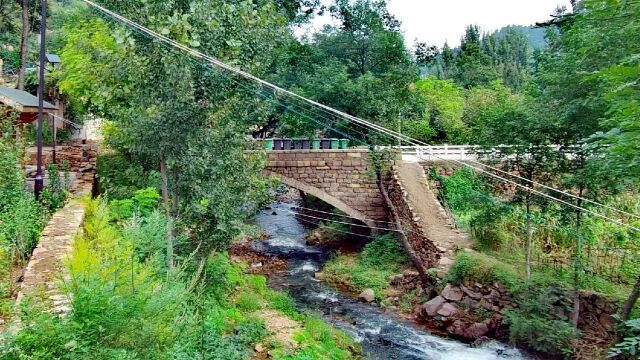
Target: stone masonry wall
424,248
342,174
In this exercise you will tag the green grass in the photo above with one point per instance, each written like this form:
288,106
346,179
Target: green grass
483,269
371,269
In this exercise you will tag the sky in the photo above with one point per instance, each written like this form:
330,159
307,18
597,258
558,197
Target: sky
437,21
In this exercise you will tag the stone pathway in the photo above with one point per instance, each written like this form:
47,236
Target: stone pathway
46,266
437,226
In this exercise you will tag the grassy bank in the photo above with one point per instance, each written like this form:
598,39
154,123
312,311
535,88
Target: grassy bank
373,268
126,304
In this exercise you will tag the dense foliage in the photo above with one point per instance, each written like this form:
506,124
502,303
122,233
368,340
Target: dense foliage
125,306
21,216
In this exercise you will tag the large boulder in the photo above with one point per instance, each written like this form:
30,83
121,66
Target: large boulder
452,293
476,331
431,307
468,331
367,295
447,310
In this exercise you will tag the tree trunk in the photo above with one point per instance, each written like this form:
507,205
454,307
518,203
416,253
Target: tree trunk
24,44
167,210
631,301
529,249
576,283
578,263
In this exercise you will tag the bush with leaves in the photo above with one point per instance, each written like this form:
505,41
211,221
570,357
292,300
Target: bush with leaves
541,320
383,257
142,203
54,195
21,217
629,347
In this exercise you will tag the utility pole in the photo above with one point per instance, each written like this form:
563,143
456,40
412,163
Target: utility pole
39,183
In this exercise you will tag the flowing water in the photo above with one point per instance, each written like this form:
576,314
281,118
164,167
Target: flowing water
381,335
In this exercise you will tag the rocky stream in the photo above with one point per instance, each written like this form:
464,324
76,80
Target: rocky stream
381,334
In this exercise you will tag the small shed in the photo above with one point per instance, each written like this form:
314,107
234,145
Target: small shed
23,102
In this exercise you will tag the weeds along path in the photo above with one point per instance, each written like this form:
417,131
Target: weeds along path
433,219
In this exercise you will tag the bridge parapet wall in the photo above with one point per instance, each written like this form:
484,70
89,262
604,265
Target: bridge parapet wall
343,175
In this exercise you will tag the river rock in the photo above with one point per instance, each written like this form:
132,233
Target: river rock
259,348
447,310
367,295
318,275
484,303
470,293
476,331
432,306
452,293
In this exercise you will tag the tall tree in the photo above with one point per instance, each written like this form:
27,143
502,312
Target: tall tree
24,43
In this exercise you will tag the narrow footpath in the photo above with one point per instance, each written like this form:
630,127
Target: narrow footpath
45,268
437,226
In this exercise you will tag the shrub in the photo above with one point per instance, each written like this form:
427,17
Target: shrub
385,252
142,203
54,194
540,320
248,301
372,268
630,345
119,178
476,267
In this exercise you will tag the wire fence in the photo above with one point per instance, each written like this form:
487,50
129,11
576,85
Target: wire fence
608,263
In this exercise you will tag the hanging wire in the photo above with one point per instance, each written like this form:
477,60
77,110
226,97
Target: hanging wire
348,117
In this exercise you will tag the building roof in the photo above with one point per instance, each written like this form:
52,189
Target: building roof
21,100
53,58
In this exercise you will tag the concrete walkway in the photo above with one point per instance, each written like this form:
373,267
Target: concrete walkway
437,226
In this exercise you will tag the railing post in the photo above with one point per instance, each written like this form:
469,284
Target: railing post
446,150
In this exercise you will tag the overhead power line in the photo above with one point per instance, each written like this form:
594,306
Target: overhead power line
353,119
341,222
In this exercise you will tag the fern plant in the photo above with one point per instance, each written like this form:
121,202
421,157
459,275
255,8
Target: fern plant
630,345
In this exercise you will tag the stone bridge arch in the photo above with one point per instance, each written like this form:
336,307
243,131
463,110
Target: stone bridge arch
341,178
324,196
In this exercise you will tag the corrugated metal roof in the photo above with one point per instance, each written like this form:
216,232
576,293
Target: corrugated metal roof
13,98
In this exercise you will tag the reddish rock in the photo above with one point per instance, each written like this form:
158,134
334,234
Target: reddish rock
470,293
432,306
484,303
447,310
495,295
476,331
452,293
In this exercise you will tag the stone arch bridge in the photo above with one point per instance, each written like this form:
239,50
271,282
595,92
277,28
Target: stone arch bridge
342,178
345,179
